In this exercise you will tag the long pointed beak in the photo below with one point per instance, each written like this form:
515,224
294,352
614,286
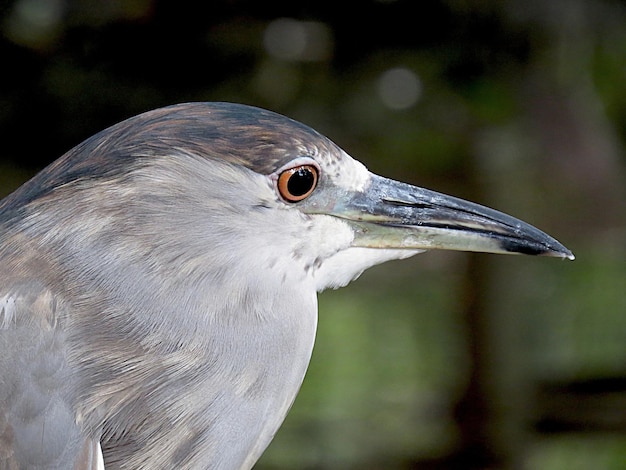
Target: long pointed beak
390,214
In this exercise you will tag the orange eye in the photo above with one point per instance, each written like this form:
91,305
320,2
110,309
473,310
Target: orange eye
297,183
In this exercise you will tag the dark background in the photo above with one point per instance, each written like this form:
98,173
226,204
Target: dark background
448,360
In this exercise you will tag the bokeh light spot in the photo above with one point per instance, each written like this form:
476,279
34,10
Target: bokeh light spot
294,40
399,88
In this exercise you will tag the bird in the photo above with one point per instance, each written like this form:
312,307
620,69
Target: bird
158,291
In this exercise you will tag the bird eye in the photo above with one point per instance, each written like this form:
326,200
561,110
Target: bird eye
296,184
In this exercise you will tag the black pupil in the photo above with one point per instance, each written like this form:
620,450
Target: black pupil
301,182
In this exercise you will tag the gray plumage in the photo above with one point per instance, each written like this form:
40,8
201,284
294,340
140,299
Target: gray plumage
158,294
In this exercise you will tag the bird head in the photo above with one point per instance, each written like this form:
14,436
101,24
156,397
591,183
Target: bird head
266,185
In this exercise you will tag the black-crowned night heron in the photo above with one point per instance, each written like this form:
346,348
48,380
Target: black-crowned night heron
158,283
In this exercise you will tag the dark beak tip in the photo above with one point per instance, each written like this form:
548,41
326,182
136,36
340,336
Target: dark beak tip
552,249
558,250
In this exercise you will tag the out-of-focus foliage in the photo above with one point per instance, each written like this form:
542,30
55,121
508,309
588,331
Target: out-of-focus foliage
518,104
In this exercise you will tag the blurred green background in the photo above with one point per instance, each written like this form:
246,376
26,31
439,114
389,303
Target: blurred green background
448,360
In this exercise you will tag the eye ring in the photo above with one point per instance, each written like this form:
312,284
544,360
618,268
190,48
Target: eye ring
297,183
